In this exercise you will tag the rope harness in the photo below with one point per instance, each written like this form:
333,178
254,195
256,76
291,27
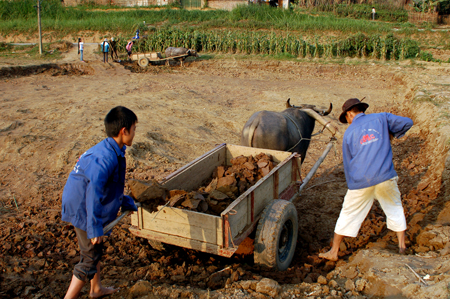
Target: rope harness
298,130
299,133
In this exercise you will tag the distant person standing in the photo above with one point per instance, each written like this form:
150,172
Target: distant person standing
373,13
105,50
80,48
137,34
128,48
113,45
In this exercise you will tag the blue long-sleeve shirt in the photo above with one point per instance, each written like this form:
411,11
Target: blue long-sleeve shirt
367,149
93,193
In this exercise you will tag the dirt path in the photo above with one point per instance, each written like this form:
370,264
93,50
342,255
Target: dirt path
52,115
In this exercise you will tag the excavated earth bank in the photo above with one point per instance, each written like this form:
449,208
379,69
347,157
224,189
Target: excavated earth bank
53,113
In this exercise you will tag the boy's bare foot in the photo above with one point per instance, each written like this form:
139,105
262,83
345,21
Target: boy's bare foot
104,291
402,251
329,256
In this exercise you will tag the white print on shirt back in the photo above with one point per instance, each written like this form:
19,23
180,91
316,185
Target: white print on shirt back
76,167
369,136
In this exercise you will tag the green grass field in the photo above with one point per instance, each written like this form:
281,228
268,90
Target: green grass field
249,29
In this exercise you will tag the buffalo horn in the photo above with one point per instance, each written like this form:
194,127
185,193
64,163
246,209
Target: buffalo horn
334,131
288,104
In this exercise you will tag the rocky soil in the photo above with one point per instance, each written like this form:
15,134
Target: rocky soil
53,112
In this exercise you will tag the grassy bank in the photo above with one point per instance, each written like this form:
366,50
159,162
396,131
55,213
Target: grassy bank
20,17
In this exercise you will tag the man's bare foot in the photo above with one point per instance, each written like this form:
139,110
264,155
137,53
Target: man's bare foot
329,256
402,251
104,291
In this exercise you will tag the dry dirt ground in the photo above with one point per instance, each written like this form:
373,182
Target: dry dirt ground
52,113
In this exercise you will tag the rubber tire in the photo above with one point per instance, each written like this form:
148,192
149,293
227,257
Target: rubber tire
276,235
143,62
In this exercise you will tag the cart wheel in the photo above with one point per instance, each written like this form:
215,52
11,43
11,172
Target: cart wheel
143,62
276,235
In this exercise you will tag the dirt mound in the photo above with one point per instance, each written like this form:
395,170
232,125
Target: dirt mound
52,69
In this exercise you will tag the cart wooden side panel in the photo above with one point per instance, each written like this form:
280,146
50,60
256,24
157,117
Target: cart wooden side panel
192,175
184,223
244,212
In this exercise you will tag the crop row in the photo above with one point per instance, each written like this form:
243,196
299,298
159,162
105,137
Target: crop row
387,47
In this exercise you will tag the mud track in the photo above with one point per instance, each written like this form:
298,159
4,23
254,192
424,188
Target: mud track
53,113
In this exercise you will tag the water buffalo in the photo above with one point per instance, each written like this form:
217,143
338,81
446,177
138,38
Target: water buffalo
289,130
172,51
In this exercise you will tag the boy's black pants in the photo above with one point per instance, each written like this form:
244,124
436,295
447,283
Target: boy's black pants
90,255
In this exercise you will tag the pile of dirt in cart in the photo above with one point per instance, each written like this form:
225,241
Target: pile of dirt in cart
226,184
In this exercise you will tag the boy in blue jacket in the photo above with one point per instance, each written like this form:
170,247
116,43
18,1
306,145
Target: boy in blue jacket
93,196
369,172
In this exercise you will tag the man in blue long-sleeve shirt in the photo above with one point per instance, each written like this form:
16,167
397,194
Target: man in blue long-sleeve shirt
369,172
93,196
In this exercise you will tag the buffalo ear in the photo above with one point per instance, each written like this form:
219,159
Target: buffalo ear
189,52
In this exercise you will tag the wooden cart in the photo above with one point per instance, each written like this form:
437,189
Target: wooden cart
144,59
266,206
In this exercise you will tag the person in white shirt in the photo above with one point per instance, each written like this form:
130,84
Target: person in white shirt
80,48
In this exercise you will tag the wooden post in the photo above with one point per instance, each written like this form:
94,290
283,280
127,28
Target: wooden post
39,25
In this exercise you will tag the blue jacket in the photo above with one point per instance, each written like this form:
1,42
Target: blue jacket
93,193
105,47
366,148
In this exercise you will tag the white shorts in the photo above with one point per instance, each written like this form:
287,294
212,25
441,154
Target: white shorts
357,204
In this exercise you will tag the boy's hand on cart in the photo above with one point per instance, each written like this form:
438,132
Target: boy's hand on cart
97,240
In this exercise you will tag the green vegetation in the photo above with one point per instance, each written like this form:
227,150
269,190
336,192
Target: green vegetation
364,12
21,16
49,52
285,46
337,31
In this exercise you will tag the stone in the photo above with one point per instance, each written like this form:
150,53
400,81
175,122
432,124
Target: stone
203,206
217,195
361,284
144,191
330,275
262,163
220,171
141,288
351,273
245,284
424,238
234,276
191,203
268,286
322,280
212,186
228,180
239,160
349,285
333,284
446,249
249,166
